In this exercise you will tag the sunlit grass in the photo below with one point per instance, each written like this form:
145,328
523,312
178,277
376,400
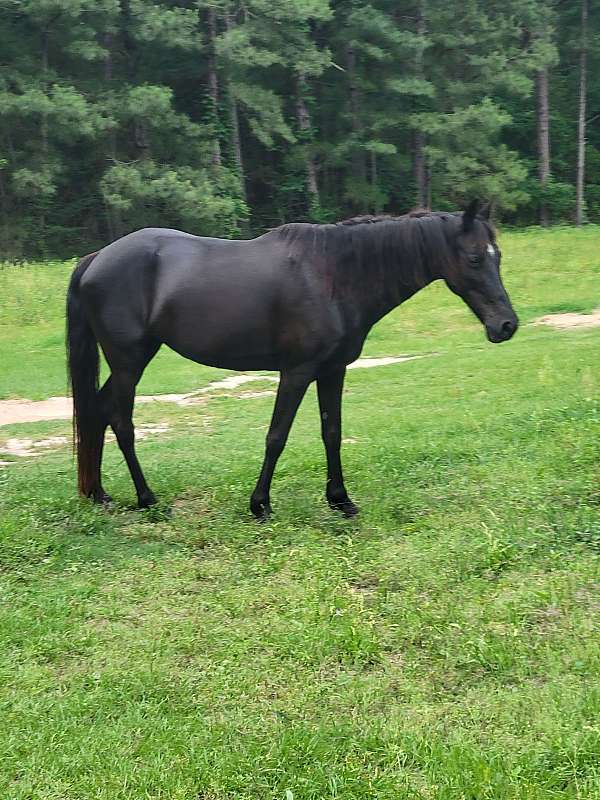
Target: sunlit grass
441,646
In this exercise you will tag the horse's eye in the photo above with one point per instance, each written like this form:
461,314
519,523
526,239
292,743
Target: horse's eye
474,258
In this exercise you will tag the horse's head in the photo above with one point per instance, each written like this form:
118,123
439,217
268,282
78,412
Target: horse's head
474,274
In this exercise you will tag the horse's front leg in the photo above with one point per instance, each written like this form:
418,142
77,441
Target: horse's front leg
329,388
292,388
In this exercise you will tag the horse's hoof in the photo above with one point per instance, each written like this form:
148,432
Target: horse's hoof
147,500
346,506
261,511
102,498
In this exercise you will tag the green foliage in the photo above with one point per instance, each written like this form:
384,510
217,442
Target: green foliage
146,193
264,111
558,197
469,158
157,23
91,91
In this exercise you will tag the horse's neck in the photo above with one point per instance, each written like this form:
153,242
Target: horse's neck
377,286
388,301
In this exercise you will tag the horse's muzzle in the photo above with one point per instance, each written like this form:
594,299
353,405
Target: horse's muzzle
501,330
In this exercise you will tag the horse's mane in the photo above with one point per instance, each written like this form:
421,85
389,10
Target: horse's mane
365,249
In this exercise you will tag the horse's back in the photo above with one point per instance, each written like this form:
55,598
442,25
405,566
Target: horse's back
155,261
164,250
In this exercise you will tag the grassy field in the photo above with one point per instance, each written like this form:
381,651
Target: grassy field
442,646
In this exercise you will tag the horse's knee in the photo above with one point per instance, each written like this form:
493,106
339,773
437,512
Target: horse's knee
125,433
275,443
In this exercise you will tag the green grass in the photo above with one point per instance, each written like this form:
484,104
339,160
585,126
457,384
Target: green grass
441,646
545,272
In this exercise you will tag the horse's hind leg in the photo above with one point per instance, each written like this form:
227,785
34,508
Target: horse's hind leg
97,493
127,364
121,421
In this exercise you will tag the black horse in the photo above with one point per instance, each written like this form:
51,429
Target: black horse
300,299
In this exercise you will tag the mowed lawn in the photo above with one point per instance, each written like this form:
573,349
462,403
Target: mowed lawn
442,646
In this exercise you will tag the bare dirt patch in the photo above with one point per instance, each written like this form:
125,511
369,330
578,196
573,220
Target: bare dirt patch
571,320
28,448
19,411
31,447
367,363
16,411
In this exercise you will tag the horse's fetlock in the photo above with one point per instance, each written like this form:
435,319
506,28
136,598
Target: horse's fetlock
260,506
337,495
147,499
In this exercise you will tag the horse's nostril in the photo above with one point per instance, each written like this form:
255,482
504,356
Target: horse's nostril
508,328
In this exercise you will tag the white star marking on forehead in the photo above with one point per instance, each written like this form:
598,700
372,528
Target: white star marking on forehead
491,250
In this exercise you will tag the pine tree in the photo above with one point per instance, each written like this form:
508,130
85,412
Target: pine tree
583,54
228,116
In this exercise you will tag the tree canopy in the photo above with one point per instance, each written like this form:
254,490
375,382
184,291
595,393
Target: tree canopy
225,117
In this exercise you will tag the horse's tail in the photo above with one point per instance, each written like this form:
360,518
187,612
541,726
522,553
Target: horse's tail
83,368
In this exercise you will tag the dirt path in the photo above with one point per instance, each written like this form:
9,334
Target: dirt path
26,447
571,320
19,411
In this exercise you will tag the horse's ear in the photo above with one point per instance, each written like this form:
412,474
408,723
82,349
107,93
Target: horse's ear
485,212
469,214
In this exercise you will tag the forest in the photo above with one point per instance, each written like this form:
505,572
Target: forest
228,117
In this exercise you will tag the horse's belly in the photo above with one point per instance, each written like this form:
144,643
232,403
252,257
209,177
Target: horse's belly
239,338
219,344
240,363
242,320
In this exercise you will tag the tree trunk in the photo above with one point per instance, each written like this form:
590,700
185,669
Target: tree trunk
108,76
373,157
237,144
235,129
44,125
428,186
236,141
140,137
128,41
304,123
213,83
113,217
420,170
543,136
580,202
420,140
44,120
359,168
